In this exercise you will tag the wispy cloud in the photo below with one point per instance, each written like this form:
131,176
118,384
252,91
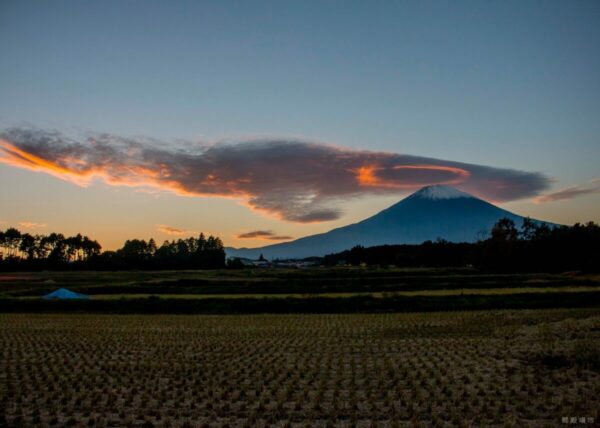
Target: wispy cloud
32,225
169,230
264,234
255,234
294,180
571,192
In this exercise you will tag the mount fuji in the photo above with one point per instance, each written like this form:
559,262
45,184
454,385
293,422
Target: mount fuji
432,212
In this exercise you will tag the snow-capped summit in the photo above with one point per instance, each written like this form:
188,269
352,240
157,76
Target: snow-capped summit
440,191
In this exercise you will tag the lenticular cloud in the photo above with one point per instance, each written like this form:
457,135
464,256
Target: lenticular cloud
295,180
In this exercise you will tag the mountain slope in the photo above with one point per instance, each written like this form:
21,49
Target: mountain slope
428,214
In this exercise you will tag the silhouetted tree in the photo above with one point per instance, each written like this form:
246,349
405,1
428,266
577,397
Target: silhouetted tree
27,245
505,230
91,248
12,238
58,246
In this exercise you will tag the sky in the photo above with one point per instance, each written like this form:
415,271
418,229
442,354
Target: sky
263,121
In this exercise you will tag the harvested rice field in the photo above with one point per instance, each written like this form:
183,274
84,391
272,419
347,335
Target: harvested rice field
493,368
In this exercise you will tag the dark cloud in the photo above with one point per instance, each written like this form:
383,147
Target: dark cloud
264,234
571,192
295,180
256,234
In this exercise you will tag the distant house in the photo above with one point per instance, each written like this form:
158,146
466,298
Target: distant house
64,294
262,264
297,264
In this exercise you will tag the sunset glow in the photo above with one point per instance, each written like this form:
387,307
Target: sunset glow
293,119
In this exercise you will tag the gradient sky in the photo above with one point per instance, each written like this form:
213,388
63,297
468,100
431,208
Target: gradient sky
510,85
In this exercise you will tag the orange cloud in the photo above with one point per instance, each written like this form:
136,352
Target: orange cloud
370,175
292,180
173,231
12,155
32,225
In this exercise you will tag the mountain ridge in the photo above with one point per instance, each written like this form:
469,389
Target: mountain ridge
433,212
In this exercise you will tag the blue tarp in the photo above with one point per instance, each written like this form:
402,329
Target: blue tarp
63,293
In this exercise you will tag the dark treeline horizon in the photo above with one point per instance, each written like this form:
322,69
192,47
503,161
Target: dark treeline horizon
23,251
530,247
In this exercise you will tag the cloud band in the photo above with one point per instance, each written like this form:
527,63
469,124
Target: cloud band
264,234
294,180
571,192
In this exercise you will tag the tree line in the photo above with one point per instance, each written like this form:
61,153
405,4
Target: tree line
55,247
23,251
530,247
